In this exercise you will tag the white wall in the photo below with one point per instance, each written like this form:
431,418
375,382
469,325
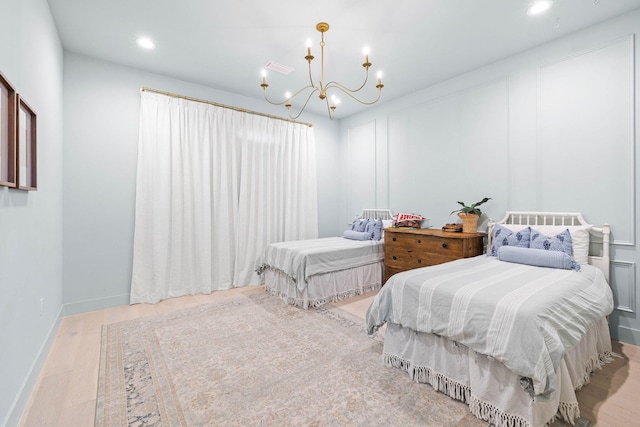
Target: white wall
31,222
550,129
101,113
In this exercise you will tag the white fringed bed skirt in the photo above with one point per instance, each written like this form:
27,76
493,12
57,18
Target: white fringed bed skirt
492,391
324,288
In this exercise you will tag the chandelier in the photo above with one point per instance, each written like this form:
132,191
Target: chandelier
322,87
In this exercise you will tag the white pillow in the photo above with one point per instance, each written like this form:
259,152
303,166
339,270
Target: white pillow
386,223
579,238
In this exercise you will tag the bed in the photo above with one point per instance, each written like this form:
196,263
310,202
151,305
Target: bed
513,340
310,273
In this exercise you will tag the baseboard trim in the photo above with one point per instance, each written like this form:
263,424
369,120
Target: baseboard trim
95,304
22,399
628,335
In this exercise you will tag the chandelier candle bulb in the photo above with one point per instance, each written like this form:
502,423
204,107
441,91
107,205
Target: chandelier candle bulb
288,96
264,79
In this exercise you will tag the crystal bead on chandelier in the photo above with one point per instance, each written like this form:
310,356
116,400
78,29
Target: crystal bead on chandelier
321,87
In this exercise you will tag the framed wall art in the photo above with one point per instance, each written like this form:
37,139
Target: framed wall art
26,143
7,133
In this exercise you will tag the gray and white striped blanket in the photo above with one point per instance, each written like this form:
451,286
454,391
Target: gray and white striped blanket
523,316
301,259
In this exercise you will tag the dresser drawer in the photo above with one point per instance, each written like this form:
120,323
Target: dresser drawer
409,260
425,244
408,249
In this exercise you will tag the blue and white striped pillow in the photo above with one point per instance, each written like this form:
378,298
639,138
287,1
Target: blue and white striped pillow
357,235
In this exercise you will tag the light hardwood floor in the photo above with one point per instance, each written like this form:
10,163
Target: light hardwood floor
65,393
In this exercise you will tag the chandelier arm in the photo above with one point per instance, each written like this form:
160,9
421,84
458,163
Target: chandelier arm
304,106
291,97
272,102
347,92
346,89
302,90
311,76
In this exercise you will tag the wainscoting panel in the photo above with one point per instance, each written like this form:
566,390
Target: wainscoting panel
623,284
361,168
585,137
450,149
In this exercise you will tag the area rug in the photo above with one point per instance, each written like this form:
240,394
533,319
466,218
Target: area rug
256,361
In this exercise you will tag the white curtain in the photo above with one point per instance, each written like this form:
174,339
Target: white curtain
214,187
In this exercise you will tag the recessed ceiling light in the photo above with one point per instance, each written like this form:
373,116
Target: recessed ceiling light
146,43
539,6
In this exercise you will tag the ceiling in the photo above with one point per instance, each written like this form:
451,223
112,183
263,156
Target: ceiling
225,44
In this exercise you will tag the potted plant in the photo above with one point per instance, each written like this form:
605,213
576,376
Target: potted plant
469,215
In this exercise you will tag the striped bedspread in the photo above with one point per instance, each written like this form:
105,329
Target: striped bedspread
524,316
301,259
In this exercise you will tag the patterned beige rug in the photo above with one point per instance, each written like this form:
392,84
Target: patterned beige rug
255,361
258,362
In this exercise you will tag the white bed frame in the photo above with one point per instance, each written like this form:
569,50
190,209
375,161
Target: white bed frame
492,381
333,286
601,260
383,214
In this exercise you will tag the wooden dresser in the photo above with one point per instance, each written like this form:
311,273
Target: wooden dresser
406,249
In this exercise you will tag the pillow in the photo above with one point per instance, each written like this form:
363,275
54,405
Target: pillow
386,223
359,224
356,235
369,227
537,257
374,226
560,242
502,236
579,238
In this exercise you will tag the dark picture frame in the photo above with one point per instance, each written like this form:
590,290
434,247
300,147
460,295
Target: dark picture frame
8,161
26,165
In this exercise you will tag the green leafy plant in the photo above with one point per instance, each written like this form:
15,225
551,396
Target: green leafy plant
471,209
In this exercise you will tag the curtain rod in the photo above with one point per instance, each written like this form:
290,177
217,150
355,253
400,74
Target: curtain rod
175,95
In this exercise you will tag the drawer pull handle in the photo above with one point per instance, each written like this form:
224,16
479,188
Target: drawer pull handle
444,245
419,261
419,241
394,239
394,257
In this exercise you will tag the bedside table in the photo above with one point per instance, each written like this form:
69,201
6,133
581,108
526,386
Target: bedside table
406,249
